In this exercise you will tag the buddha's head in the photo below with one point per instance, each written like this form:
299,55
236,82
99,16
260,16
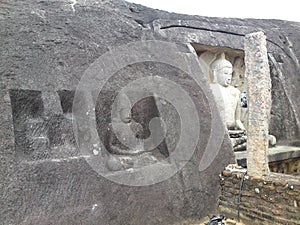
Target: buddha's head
122,110
222,71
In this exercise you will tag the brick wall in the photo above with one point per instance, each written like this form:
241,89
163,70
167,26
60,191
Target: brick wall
271,200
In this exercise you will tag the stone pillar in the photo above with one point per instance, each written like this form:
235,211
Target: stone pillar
259,103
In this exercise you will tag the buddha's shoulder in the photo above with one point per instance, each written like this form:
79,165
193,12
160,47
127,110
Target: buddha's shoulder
234,90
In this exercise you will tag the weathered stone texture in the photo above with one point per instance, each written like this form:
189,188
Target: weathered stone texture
45,48
259,103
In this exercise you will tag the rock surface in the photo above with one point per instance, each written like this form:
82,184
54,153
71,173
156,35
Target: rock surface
46,46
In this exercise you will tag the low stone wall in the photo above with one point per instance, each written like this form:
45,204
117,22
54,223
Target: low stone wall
288,166
271,200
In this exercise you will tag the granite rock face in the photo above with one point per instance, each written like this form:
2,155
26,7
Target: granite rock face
46,46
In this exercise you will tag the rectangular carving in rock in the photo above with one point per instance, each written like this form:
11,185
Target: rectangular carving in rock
66,100
30,130
259,103
40,131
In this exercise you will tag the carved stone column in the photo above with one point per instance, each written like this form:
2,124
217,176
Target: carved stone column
259,103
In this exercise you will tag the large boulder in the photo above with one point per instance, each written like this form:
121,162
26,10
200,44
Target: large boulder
47,47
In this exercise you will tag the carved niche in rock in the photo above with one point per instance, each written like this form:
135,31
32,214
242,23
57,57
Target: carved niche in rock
226,75
225,71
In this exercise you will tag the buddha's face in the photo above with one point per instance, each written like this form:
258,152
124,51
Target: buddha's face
125,115
224,76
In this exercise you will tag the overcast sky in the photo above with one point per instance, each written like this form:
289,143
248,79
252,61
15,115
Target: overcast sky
259,9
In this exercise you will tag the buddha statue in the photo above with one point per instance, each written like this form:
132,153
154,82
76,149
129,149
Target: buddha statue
124,139
228,101
226,96
231,102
